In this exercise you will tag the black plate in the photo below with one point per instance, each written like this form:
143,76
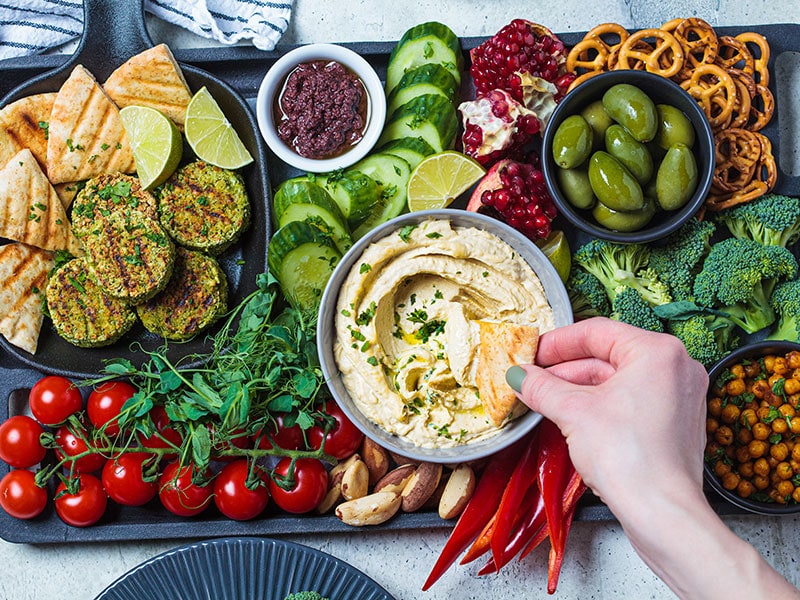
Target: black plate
113,32
243,569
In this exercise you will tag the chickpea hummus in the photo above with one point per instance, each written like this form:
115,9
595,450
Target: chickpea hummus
407,333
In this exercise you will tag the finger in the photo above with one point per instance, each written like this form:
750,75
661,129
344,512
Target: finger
548,394
584,371
598,337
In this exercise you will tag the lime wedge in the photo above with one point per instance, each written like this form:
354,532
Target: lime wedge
156,143
556,248
441,178
211,135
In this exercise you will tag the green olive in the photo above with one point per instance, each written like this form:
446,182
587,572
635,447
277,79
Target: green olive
613,184
574,184
674,127
624,221
599,121
633,109
676,179
572,142
634,155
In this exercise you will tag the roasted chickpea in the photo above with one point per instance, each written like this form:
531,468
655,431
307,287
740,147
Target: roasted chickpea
796,495
761,431
745,489
760,388
748,418
791,386
793,400
780,426
736,387
780,366
763,411
721,468
785,489
795,374
793,359
760,482
746,469
744,437
784,470
773,379
787,410
761,467
712,425
715,407
724,435
769,362
730,414
752,369
730,480
737,371
796,452
779,451
757,448
742,453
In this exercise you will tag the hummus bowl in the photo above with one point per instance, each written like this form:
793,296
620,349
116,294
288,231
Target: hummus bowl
397,337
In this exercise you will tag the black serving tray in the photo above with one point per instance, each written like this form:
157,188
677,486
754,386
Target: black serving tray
243,68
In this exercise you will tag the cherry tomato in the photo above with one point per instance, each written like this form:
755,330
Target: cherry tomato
20,497
86,506
105,403
310,485
123,479
237,439
179,494
54,398
19,442
164,436
288,438
343,440
72,442
232,496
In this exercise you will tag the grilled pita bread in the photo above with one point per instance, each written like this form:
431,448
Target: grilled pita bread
23,124
151,78
502,345
23,276
30,210
86,136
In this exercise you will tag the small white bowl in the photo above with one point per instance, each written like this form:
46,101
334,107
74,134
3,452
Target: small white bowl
270,86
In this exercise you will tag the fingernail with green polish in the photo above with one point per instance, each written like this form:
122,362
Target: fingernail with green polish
515,376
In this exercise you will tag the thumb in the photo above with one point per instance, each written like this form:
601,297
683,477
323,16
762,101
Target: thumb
542,391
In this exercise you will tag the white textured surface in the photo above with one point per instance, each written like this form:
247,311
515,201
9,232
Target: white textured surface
600,562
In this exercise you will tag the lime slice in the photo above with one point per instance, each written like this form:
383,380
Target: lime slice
211,135
156,143
441,178
556,248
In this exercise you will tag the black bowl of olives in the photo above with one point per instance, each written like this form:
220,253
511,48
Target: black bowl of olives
628,156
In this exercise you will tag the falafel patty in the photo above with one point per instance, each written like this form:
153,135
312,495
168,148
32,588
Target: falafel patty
195,297
82,312
130,255
204,207
107,193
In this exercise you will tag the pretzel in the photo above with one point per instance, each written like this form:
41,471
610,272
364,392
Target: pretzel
699,42
754,189
767,167
762,108
737,154
605,30
733,54
641,47
666,48
581,78
761,59
745,88
706,82
671,25
590,54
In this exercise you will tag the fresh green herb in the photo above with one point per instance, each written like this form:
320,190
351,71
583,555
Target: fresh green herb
405,232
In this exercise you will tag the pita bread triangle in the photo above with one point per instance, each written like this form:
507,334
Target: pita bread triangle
86,136
30,210
152,78
23,124
23,276
501,346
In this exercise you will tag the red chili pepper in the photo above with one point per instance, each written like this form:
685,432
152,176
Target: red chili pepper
508,513
553,474
556,558
483,504
482,543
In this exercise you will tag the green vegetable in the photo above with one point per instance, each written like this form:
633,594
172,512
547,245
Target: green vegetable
773,220
739,276
785,301
624,220
676,179
633,154
680,257
572,142
707,337
673,127
587,295
629,307
613,184
633,109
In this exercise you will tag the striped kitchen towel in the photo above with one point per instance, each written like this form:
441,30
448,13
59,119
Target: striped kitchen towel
33,26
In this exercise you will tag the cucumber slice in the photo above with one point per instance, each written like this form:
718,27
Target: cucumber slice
355,192
429,78
391,173
302,259
430,42
429,116
410,149
302,190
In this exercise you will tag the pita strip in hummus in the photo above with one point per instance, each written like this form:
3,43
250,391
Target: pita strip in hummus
408,331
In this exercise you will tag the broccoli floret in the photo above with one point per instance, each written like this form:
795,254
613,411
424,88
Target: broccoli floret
631,308
707,337
305,596
678,259
772,220
587,295
618,266
738,277
785,302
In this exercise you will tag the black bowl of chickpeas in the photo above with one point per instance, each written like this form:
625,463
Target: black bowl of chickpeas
752,454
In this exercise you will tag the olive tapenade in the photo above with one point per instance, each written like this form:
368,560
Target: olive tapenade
322,109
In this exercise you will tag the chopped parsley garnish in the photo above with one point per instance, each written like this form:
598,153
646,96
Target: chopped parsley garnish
405,232
364,268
